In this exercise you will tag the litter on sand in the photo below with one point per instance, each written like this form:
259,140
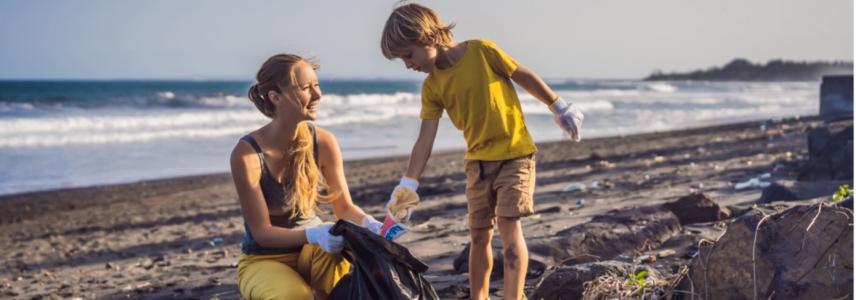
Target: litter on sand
574,187
751,183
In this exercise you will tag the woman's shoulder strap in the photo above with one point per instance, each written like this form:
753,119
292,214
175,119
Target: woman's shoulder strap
249,139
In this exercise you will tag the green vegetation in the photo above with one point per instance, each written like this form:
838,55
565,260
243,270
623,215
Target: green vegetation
637,279
843,192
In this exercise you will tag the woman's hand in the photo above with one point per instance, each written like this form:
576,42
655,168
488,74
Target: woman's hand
320,235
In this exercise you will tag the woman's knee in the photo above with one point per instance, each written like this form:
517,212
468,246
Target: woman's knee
272,280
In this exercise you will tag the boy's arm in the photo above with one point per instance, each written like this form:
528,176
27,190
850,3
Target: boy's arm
533,84
422,148
404,198
566,115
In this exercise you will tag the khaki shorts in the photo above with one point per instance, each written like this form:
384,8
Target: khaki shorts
499,188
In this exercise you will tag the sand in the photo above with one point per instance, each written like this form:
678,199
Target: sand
180,237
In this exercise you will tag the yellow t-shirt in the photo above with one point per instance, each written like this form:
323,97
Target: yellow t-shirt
480,99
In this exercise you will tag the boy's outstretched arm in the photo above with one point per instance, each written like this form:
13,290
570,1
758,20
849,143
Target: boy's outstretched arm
566,115
422,148
404,198
533,84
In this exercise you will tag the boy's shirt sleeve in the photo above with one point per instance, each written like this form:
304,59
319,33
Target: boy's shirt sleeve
499,61
432,108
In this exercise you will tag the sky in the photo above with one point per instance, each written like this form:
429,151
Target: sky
208,39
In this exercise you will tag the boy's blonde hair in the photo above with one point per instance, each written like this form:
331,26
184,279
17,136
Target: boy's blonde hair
413,24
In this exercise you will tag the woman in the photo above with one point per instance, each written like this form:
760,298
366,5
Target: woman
287,252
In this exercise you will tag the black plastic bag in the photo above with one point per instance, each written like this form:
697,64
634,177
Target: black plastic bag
380,269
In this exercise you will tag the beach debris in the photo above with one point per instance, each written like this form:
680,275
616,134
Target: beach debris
696,185
762,256
790,190
603,164
645,259
111,266
606,236
697,208
215,241
665,253
751,183
574,187
600,185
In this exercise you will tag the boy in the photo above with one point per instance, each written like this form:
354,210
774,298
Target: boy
471,81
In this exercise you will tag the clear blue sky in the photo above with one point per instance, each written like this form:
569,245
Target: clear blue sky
558,39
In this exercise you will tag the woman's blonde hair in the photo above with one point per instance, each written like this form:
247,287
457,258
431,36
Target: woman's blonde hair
277,74
413,24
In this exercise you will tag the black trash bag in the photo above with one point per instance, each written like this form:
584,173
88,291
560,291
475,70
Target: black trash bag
380,269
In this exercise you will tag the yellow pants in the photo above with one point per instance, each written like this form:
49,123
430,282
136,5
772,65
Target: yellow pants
290,275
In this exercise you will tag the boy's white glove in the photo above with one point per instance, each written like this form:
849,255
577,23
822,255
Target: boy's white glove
568,117
389,229
320,235
403,199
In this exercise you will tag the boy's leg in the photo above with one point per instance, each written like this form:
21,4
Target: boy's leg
481,204
515,257
515,186
480,262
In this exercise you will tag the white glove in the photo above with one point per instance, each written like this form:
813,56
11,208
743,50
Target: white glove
320,235
389,229
372,224
568,117
403,199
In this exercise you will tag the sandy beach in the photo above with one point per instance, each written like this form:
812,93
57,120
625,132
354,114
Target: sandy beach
179,237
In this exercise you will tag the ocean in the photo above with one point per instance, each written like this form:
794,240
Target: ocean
61,134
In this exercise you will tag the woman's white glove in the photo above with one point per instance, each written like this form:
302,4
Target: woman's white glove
568,117
403,199
320,235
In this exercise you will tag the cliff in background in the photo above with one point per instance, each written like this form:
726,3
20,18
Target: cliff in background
775,70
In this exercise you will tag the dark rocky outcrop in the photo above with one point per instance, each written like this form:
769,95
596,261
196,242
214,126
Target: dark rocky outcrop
789,190
566,282
804,252
618,232
697,208
831,161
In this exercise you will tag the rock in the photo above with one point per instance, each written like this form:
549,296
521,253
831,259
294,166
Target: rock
549,210
461,263
789,190
799,254
817,140
833,162
566,282
836,96
697,208
618,232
